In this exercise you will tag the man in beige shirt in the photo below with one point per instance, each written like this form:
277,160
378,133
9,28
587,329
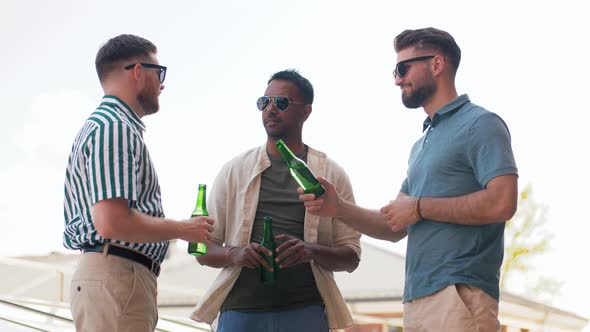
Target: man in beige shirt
256,184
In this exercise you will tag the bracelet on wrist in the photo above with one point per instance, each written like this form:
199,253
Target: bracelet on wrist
419,209
229,249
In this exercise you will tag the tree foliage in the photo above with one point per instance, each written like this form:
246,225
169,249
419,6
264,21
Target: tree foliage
525,239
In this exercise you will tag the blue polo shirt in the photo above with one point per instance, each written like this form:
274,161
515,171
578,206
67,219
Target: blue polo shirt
464,146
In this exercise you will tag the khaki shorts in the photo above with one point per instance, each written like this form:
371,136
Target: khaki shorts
456,308
109,293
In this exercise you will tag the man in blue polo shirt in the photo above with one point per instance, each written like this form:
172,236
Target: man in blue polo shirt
460,188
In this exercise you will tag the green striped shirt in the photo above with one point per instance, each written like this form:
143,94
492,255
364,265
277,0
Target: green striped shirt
109,159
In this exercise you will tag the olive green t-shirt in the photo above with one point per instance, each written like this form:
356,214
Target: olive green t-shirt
296,285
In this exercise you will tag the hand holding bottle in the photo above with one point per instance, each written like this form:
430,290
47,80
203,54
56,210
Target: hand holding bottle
328,205
250,256
292,251
197,229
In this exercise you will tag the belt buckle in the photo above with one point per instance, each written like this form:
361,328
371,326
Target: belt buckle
155,268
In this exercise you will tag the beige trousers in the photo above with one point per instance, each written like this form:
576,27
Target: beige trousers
457,308
109,293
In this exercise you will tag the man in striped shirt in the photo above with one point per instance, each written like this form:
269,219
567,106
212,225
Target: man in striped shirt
112,208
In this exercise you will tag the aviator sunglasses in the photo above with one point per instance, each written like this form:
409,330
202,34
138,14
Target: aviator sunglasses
401,69
161,69
281,103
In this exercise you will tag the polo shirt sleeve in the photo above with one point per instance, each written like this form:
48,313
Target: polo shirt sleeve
111,162
405,187
489,149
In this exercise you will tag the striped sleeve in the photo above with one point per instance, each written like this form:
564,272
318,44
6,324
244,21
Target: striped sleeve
111,161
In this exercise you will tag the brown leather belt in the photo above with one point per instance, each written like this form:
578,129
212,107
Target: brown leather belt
129,254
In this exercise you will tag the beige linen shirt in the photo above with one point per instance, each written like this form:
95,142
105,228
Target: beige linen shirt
232,203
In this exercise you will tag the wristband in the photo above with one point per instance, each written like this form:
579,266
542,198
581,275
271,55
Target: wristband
227,253
419,209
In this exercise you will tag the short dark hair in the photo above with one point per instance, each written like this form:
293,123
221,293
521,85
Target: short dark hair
431,39
121,48
302,83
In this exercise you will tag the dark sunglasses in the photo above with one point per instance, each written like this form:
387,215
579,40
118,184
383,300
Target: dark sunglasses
281,103
161,73
401,69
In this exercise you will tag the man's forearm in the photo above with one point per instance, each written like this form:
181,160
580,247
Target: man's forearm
465,210
496,203
217,256
369,222
133,226
341,258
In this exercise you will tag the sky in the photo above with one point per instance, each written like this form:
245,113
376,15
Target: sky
525,61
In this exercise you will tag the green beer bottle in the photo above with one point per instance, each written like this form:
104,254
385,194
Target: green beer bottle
268,241
300,171
199,249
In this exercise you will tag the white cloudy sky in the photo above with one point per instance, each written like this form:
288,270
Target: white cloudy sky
528,63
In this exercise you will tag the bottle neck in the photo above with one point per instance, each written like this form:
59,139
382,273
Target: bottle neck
201,207
268,229
284,150
296,145
287,154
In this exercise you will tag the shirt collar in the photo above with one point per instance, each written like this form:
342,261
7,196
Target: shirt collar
445,111
123,109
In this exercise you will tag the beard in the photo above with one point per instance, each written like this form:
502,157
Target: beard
274,131
277,128
148,100
418,97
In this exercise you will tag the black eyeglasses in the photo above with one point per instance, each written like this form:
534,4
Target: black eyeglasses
281,102
401,69
161,73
